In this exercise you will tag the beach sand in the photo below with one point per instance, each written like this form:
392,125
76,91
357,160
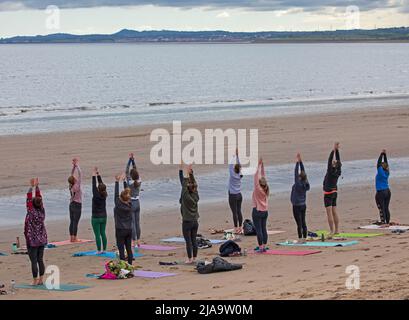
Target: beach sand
383,261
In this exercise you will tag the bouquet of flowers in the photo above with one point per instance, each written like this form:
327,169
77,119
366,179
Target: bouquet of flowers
118,269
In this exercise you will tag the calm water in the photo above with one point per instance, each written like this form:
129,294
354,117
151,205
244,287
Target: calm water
212,189
72,86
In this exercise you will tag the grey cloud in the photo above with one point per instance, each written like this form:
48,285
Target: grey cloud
256,5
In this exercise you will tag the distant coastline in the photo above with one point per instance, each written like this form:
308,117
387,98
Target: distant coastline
391,35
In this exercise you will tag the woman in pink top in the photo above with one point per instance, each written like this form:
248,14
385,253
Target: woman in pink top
260,206
76,199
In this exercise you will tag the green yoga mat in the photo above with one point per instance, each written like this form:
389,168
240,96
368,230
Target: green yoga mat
350,235
63,287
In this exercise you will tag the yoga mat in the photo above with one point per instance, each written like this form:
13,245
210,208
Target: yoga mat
349,235
319,244
153,275
109,254
157,247
273,232
68,242
182,240
63,287
3,254
376,227
288,253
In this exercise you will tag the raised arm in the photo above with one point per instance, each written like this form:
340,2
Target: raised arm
29,201
181,176
296,172
330,159
116,197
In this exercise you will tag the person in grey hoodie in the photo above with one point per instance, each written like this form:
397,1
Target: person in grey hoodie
189,199
299,198
123,221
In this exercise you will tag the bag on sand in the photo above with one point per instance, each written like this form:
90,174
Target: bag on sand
218,265
203,243
248,228
229,248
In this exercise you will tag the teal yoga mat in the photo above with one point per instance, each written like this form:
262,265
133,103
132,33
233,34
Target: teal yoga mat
319,244
182,240
63,287
108,254
3,254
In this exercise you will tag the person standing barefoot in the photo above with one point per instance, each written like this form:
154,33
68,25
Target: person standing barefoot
235,197
189,199
331,189
75,200
383,193
260,206
35,231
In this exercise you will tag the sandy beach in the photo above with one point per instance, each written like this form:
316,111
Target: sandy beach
383,260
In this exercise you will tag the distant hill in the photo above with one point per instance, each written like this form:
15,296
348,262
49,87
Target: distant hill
163,36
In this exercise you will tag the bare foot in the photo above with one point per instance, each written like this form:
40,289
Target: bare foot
138,243
189,261
35,282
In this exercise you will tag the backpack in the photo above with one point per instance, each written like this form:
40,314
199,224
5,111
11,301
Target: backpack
218,265
229,248
248,228
203,243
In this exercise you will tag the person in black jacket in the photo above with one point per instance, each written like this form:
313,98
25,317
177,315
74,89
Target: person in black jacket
331,188
123,220
299,198
99,211
189,199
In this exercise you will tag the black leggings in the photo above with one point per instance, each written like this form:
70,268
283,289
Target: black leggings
383,198
75,216
189,229
124,241
260,223
235,201
299,216
36,255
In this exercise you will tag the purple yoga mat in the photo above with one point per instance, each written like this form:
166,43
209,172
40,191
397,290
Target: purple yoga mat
151,274
157,247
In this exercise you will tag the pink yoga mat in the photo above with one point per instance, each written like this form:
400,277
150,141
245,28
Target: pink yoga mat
68,242
151,274
157,247
288,252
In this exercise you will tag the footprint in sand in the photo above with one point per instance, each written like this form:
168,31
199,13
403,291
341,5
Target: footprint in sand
378,257
306,271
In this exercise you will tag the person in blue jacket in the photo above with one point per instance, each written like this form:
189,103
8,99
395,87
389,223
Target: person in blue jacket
299,198
383,193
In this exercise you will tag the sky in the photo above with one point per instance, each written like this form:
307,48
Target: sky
32,17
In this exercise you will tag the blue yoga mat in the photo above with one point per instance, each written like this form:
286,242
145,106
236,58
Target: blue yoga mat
3,254
110,255
182,240
319,244
63,287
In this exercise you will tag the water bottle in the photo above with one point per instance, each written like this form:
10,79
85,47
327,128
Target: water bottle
14,247
245,252
13,286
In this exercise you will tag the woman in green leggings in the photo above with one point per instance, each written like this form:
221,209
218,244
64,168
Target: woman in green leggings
99,212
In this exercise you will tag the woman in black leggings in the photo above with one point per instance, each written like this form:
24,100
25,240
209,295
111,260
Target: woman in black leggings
299,198
35,232
190,214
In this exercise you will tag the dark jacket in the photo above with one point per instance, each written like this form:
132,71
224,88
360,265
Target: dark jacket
122,212
98,201
333,174
300,188
188,200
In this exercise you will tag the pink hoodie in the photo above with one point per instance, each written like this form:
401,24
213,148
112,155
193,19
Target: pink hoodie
260,199
76,192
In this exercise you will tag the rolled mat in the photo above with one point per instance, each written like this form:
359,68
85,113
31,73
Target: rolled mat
108,254
376,227
182,240
319,244
288,253
157,247
350,235
63,287
153,275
